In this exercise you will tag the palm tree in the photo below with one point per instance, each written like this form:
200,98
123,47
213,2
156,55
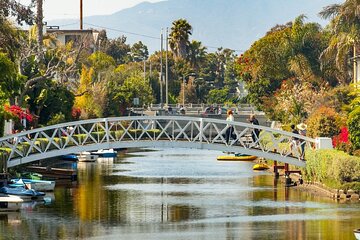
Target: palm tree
179,37
196,54
39,23
345,24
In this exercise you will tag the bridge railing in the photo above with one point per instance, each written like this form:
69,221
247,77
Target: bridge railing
148,128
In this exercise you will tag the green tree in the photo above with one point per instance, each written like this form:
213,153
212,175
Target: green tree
218,96
179,38
13,8
118,50
139,52
10,80
345,27
134,86
196,55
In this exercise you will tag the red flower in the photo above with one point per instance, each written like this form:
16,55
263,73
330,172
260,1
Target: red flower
343,137
18,112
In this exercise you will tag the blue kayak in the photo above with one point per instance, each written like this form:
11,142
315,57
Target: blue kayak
22,192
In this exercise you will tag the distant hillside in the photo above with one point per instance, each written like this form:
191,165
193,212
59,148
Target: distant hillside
234,24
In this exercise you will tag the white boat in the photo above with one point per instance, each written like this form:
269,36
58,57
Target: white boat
87,157
357,233
38,185
105,153
10,203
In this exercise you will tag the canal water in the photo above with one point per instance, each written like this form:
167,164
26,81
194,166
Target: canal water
179,194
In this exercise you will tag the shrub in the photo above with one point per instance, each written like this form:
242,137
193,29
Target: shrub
332,167
323,123
353,123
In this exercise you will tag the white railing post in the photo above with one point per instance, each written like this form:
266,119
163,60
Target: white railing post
107,131
323,143
201,129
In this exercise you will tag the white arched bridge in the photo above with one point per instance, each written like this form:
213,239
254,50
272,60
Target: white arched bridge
149,131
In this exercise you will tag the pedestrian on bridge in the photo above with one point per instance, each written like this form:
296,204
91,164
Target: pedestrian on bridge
294,140
256,132
230,132
302,131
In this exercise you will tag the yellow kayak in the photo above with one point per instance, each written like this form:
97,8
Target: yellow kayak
260,166
236,158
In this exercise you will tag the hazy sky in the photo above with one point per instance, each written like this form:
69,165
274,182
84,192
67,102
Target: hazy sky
55,9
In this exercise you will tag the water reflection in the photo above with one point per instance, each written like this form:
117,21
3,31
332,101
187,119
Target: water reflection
180,194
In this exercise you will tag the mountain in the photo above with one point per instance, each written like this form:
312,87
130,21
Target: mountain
234,24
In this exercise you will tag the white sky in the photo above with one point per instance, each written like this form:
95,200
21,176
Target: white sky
60,9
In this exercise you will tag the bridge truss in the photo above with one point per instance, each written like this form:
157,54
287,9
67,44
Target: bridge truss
149,131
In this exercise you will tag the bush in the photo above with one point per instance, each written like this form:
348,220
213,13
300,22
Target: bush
334,168
323,123
353,123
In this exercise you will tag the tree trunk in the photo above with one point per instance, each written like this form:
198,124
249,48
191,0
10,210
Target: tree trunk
39,23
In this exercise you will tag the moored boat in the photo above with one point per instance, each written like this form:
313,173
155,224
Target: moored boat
260,166
23,193
54,173
105,153
236,158
10,203
357,233
38,185
70,157
87,157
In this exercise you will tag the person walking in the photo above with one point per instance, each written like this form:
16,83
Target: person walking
302,131
230,128
255,132
294,140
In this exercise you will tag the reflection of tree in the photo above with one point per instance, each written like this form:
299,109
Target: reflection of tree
90,196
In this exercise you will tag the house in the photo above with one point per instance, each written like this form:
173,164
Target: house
88,37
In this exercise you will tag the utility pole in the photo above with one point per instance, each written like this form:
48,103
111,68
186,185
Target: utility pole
161,67
167,69
81,14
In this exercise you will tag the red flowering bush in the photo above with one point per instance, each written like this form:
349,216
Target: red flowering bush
76,113
19,113
342,141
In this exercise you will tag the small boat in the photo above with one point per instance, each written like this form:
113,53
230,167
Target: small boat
87,157
10,203
357,233
260,166
105,153
31,175
23,193
237,157
55,173
70,157
38,185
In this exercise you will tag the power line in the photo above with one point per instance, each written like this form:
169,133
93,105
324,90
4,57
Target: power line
148,36
122,31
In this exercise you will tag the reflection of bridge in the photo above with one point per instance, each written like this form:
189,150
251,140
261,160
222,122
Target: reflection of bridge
145,131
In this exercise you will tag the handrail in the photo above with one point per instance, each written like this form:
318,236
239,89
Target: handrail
208,133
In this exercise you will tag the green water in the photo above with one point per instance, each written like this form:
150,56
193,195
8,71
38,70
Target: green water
179,194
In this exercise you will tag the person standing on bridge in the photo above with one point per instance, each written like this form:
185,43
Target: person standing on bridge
230,129
294,140
255,132
302,131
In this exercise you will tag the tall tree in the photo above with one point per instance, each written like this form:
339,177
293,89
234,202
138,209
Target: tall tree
196,54
139,52
345,26
12,8
179,37
39,24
